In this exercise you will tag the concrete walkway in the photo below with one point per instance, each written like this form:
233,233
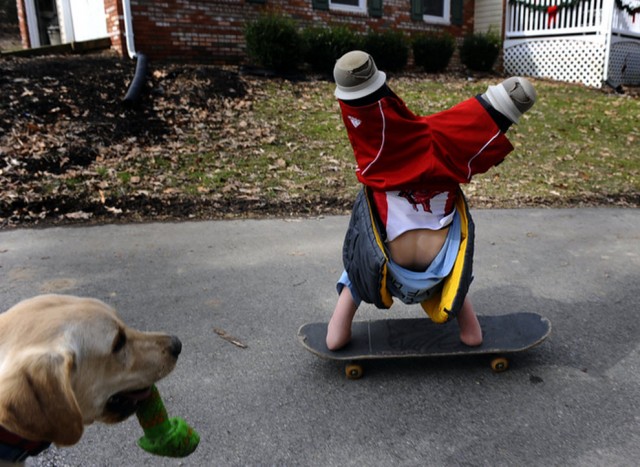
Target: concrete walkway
573,401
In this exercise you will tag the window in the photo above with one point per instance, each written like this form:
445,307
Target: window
372,7
436,11
358,6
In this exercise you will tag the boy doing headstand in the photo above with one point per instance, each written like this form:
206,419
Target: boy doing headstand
410,234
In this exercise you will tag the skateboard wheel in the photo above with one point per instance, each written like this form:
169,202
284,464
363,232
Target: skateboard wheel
499,364
353,371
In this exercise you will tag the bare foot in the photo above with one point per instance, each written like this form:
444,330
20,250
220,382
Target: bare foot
338,335
339,329
470,330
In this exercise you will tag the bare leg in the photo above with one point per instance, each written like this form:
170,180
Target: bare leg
470,331
339,329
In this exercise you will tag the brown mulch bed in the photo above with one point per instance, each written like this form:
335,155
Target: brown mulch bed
60,115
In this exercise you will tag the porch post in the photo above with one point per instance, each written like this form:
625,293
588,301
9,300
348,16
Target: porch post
606,31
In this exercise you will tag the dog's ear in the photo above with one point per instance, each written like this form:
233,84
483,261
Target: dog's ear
37,401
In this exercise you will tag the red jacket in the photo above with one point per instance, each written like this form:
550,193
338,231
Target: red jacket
398,150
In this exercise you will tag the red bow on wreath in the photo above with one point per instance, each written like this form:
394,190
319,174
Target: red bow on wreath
552,11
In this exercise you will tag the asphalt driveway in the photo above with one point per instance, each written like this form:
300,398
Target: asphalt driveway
573,401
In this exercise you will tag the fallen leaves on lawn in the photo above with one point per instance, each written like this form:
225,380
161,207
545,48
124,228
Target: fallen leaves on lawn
195,145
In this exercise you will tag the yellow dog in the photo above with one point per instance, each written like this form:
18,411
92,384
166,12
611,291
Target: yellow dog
66,362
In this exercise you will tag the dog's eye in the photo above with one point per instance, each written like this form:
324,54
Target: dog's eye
119,342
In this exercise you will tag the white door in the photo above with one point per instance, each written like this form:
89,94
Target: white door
89,19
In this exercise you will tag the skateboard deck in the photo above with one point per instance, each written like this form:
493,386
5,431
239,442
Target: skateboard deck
420,337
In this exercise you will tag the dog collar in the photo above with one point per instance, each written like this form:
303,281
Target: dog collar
14,448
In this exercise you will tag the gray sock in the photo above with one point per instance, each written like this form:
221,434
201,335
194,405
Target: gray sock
513,97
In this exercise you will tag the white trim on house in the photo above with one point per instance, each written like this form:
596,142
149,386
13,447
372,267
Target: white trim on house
77,20
32,23
65,21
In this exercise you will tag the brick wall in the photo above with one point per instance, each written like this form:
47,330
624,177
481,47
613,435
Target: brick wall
115,25
22,24
213,30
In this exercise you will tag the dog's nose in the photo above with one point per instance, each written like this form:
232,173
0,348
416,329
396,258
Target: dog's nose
175,347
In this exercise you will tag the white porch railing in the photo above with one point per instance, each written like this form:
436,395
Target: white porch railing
626,18
589,41
528,19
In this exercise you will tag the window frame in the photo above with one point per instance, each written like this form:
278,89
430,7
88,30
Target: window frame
361,8
444,19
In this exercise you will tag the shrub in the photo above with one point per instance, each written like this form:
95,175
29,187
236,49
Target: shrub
323,46
432,52
274,42
389,49
480,51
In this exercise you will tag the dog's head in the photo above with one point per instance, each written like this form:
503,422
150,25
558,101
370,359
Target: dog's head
66,362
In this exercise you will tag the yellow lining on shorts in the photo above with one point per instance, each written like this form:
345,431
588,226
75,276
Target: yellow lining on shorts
386,297
439,306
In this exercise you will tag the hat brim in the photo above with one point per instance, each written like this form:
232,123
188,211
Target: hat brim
362,90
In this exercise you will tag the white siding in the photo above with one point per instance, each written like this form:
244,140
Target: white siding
488,15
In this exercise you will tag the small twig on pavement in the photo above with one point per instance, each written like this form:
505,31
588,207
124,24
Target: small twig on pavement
229,338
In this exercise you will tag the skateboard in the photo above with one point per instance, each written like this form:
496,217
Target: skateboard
420,337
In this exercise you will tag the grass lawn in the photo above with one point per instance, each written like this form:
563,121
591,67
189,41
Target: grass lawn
577,145
274,147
